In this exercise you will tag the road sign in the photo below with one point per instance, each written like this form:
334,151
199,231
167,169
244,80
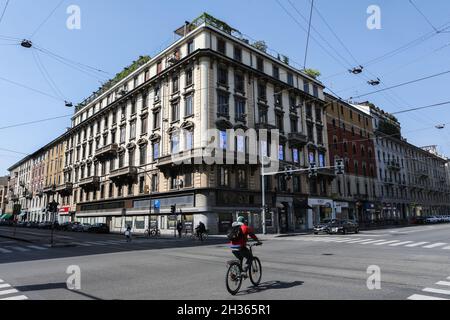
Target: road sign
157,204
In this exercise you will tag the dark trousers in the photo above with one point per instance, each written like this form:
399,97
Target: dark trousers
179,232
244,253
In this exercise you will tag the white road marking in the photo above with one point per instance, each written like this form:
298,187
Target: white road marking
1,281
416,244
439,291
37,248
400,243
82,244
359,241
386,242
19,249
446,248
5,250
372,242
443,283
422,297
16,298
5,285
431,246
5,292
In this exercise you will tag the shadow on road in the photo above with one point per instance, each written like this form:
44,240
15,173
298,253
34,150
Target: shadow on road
53,286
271,285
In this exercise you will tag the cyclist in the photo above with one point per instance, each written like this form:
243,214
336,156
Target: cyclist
239,237
201,229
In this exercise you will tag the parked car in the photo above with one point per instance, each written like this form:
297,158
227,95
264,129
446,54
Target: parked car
65,226
432,219
45,225
81,227
418,220
343,226
99,228
322,227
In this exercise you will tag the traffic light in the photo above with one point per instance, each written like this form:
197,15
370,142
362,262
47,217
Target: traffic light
339,167
312,170
173,209
266,210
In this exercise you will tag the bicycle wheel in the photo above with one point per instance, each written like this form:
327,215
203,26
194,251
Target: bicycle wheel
255,272
233,278
205,236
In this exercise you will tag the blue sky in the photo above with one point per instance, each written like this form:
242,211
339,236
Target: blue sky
114,33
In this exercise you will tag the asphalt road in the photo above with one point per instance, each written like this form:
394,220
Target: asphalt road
414,264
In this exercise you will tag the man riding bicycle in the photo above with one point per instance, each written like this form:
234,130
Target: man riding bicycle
239,238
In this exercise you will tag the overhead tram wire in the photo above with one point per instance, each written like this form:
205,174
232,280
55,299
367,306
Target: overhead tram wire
34,122
424,16
31,89
401,84
309,33
46,19
421,108
4,11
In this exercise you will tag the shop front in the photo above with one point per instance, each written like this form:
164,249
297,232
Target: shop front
321,209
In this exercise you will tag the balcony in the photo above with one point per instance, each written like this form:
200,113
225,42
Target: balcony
90,182
328,173
49,189
107,152
394,165
264,126
14,198
65,188
123,173
389,181
297,139
423,173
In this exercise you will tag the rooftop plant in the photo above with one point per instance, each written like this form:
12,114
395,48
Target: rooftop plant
313,73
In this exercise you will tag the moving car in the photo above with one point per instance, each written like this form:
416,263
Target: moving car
99,228
343,226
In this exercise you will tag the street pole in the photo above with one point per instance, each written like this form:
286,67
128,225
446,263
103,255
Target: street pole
263,197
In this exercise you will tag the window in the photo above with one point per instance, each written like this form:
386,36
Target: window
309,112
240,142
322,160
242,179
187,180
188,140
190,47
114,117
263,117
131,158
156,119
143,155
156,93
224,179
297,184
135,82
315,91
175,111
262,93
290,79
318,115
159,67
144,125
121,160
141,184
276,72
223,104
223,140
319,136
221,46
155,151
222,75
294,124
237,54
147,75
240,108
175,86
175,143
310,132
281,152
295,155
133,130
260,64
239,81
306,87
278,99
189,107
189,77
155,182
279,121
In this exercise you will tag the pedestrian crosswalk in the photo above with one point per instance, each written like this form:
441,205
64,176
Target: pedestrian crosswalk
7,292
371,242
440,291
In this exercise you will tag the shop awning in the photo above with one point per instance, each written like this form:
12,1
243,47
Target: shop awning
301,204
6,216
23,213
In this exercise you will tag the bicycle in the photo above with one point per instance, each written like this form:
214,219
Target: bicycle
154,233
234,276
195,236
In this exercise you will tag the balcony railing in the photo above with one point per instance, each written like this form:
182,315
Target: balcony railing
65,188
49,189
296,138
394,165
107,151
126,172
14,198
89,182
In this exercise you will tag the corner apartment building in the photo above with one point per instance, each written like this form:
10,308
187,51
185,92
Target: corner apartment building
408,175
20,190
118,157
351,136
3,194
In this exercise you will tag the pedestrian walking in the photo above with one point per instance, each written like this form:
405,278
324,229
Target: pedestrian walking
128,234
179,228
